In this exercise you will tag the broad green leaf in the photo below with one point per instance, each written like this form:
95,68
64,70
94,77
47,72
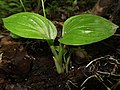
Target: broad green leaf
85,29
30,25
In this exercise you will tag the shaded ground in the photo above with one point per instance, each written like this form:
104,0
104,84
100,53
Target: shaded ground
20,71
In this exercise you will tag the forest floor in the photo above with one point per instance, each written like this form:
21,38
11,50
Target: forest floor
27,64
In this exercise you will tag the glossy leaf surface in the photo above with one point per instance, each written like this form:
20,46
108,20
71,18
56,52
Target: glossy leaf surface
85,29
30,25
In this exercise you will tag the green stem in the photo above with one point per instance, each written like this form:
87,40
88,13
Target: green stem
43,8
60,54
67,63
57,58
22,5
59,67
54,51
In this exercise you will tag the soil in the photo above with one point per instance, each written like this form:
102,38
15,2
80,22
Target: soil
23,71
27,64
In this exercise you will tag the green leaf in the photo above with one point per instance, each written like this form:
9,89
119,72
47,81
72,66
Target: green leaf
30,25
86,29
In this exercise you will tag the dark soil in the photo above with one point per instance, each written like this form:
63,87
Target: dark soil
21,71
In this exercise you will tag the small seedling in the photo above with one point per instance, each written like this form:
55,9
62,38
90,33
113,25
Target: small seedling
77,30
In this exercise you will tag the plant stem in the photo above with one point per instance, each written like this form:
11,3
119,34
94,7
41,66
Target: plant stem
43,8
67,63
57,58
57,55
54,51
59,66
22,5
